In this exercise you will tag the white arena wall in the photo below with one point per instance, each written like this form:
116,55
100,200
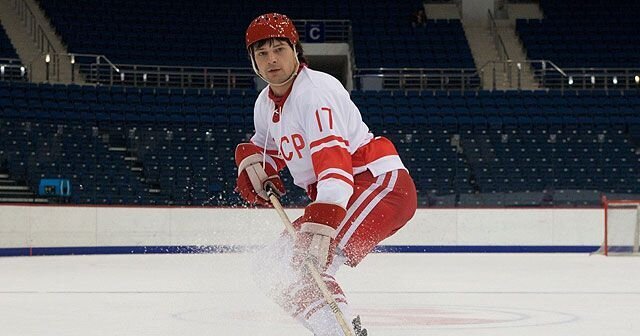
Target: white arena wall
26,229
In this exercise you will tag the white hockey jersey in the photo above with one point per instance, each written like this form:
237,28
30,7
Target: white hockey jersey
318,133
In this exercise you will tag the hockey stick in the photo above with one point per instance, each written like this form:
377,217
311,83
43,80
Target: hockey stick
311,267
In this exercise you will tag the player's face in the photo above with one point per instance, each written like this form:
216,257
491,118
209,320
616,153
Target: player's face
276,61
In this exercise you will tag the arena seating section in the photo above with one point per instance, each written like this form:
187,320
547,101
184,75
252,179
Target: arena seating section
584,34
6,48
202,33
439,44
172,146
501,148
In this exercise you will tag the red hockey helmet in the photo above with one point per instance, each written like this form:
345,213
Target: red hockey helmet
272,25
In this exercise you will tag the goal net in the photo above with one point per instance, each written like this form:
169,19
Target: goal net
621,227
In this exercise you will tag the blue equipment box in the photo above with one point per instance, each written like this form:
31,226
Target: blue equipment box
54,187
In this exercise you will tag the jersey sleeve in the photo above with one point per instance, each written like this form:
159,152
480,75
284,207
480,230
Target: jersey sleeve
263,139
326,128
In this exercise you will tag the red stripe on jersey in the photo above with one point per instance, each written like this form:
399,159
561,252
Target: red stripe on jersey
269,151
331,157
362,206
374,150
337,176
280,163
328,139
272,152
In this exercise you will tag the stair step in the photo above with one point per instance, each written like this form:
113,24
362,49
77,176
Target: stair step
13,188
22,200
118,149
130,158
7,181
136,169
4,176
14,193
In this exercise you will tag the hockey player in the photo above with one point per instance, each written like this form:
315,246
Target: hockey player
360,190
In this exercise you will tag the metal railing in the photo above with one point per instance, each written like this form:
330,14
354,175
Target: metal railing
98,69
470,79
166,76
517,67
88,66
589,78
450,79
11,69
335,31
503,55
416,79
548,75
36,31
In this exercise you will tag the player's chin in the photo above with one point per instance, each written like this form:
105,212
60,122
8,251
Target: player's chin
277,79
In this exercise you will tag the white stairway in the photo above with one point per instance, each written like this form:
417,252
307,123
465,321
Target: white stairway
483,46
484,51
26,48
513,44
12,192
517,54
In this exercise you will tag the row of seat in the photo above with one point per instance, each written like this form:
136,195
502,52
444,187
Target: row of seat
157,35
22,89
450,149
415,49
60,95
589,33
194,171
483,110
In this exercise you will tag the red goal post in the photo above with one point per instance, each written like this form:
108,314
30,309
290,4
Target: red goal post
621,227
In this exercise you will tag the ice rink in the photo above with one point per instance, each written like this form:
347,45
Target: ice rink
396,294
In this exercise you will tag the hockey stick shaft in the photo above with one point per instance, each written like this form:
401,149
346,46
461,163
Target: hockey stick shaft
313,270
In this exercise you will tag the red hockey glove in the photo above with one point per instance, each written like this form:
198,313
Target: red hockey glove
317,232
253,178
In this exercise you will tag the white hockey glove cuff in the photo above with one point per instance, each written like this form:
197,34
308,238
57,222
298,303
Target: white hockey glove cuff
258,177
320,237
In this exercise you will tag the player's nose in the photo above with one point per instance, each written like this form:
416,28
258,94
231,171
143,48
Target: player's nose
273,58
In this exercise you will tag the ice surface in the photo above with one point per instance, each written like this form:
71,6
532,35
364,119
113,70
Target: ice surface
396,294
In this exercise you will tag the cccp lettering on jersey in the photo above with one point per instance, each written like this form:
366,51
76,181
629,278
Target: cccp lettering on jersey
289,145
